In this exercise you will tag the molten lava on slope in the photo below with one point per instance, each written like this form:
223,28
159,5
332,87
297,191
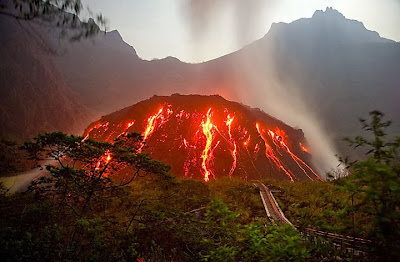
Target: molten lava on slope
209,137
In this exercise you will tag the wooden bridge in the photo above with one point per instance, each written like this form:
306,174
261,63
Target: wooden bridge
349,244
272,208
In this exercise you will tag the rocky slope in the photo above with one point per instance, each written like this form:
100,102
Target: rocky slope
33,95
209,137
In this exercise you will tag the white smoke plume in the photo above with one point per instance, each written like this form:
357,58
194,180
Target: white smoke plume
260,85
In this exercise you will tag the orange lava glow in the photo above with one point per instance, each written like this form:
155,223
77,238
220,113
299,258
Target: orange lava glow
269,153
195,134
233,150
103,162
152,125
185,142
108,158
207,154
279,141
305,149
97,126
87,136
247,141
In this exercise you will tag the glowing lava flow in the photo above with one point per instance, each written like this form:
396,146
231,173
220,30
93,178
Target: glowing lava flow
127,127
279,141
106,158
104,125
151,126
233,151
187,137
303,147
269,153
87,135
207,154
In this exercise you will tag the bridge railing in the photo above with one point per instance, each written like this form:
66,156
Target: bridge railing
356,245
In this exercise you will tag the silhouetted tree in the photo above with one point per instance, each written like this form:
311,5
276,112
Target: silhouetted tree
82,176
76,212
61,13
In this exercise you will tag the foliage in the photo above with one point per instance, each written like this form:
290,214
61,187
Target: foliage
154,217
375,181
104,201
81,178
63,13
242,197
41,231
318,205
230,241
77,212
364,203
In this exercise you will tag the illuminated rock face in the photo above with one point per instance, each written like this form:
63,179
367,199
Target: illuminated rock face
208,137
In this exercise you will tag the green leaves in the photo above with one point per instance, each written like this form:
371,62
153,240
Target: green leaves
376,144
375,182
228,240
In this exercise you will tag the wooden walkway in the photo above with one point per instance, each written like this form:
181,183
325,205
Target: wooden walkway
349,244
272,208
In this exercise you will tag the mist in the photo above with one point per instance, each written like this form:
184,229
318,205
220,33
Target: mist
235,18
260,82
262,86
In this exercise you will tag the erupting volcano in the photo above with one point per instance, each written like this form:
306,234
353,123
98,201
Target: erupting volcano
206,137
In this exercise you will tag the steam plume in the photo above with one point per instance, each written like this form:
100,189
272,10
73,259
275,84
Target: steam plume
203,14
264,87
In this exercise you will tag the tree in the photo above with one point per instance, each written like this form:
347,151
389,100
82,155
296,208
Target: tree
81,209
62,13
375,183
81,177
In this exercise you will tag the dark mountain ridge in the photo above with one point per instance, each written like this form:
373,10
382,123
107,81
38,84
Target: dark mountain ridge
33,94
326,68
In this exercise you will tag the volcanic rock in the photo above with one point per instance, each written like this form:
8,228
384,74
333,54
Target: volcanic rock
208,137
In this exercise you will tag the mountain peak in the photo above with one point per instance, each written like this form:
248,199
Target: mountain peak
115,34
328,13
330,25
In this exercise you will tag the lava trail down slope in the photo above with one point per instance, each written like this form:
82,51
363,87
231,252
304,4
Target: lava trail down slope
207,137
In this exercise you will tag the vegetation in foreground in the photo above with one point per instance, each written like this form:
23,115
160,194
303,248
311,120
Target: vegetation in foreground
79,213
